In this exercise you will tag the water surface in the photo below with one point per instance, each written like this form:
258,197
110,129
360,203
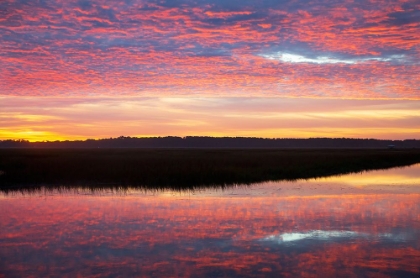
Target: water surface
352,225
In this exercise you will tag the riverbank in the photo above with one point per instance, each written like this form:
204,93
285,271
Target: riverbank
186,168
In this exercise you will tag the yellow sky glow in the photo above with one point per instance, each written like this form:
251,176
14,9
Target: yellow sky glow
39,119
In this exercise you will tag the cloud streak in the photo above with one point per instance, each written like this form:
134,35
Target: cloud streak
296,58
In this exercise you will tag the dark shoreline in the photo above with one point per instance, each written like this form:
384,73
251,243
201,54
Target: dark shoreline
183,169
197,142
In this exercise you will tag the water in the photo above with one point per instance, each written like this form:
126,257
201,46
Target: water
353,225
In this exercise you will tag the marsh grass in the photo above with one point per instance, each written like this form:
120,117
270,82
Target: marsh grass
184,168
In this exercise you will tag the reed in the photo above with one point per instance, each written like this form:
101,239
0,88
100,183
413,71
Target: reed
185,168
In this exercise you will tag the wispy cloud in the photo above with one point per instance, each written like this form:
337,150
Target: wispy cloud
296,58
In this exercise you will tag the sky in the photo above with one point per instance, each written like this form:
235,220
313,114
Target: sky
263,68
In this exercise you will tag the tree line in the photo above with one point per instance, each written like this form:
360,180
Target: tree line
214,142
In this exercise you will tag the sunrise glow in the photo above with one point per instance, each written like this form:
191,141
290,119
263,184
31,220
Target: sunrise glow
99,69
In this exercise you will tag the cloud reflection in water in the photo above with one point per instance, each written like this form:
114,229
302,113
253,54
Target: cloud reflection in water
212,234
320,235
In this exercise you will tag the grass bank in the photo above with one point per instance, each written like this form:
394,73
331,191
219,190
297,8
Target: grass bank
185,169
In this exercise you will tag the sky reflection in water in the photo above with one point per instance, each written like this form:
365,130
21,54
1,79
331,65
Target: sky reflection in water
354,225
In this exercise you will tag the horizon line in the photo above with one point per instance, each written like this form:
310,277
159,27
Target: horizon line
22,140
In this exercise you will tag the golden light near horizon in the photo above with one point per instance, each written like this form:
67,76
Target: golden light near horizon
80,118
